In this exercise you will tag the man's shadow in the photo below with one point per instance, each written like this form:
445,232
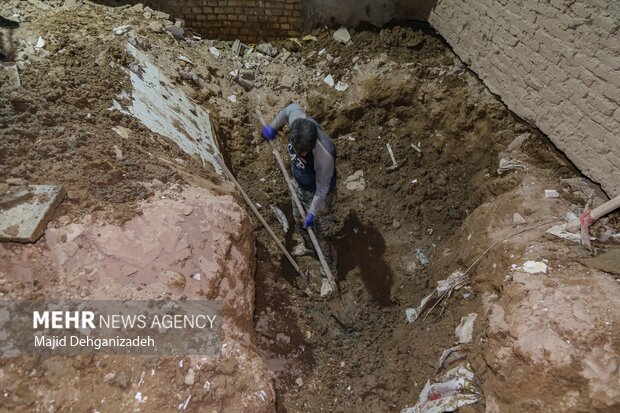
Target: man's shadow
363,247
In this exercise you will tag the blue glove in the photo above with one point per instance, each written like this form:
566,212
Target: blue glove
309,221
269,133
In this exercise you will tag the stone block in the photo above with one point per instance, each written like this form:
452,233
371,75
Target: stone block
26,210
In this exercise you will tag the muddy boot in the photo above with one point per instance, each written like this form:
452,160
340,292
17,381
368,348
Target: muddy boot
8,24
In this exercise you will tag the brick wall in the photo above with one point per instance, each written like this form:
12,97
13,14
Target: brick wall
248,20
555,63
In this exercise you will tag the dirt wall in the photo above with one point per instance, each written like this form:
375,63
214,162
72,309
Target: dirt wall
554,63
182,232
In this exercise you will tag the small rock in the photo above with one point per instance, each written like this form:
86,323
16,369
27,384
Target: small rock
464,331
189,377
284,56
267,49
518,219
299,381
236,47
147,15
108,377
156,27
551,193
118,153
214,51
341,87
287,82
197,276
173,279
396,224
176,32
356,182
120,30
342,35
326,288
534,267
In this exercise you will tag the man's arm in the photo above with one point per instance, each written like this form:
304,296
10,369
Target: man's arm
324,167
288,115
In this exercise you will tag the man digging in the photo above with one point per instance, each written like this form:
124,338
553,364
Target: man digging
313,164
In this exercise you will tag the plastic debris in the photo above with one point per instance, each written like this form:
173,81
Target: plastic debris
453,279
506,165
40,43
422,258
534,267
411,315
341,87
197,276
561,232
450,355
329,80
454,391
280,217
551,193
465,330
309,38
232,98
416,147
342,35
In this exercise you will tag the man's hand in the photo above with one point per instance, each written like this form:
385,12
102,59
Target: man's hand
269,133
309,220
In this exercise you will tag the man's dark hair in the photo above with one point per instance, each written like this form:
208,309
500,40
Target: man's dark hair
303,135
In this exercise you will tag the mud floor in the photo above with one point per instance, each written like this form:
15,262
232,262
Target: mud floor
447,200
409,89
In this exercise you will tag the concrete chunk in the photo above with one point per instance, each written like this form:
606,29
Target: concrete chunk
25,211
342,36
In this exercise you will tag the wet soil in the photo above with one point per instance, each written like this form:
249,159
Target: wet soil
375,361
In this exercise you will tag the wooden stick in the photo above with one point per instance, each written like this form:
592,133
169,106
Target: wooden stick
596,213
300,208
230,176
302,211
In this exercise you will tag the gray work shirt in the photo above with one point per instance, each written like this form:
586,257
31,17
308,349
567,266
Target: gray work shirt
321,165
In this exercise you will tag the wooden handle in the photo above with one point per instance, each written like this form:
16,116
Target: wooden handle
596,213
230,176
300,208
